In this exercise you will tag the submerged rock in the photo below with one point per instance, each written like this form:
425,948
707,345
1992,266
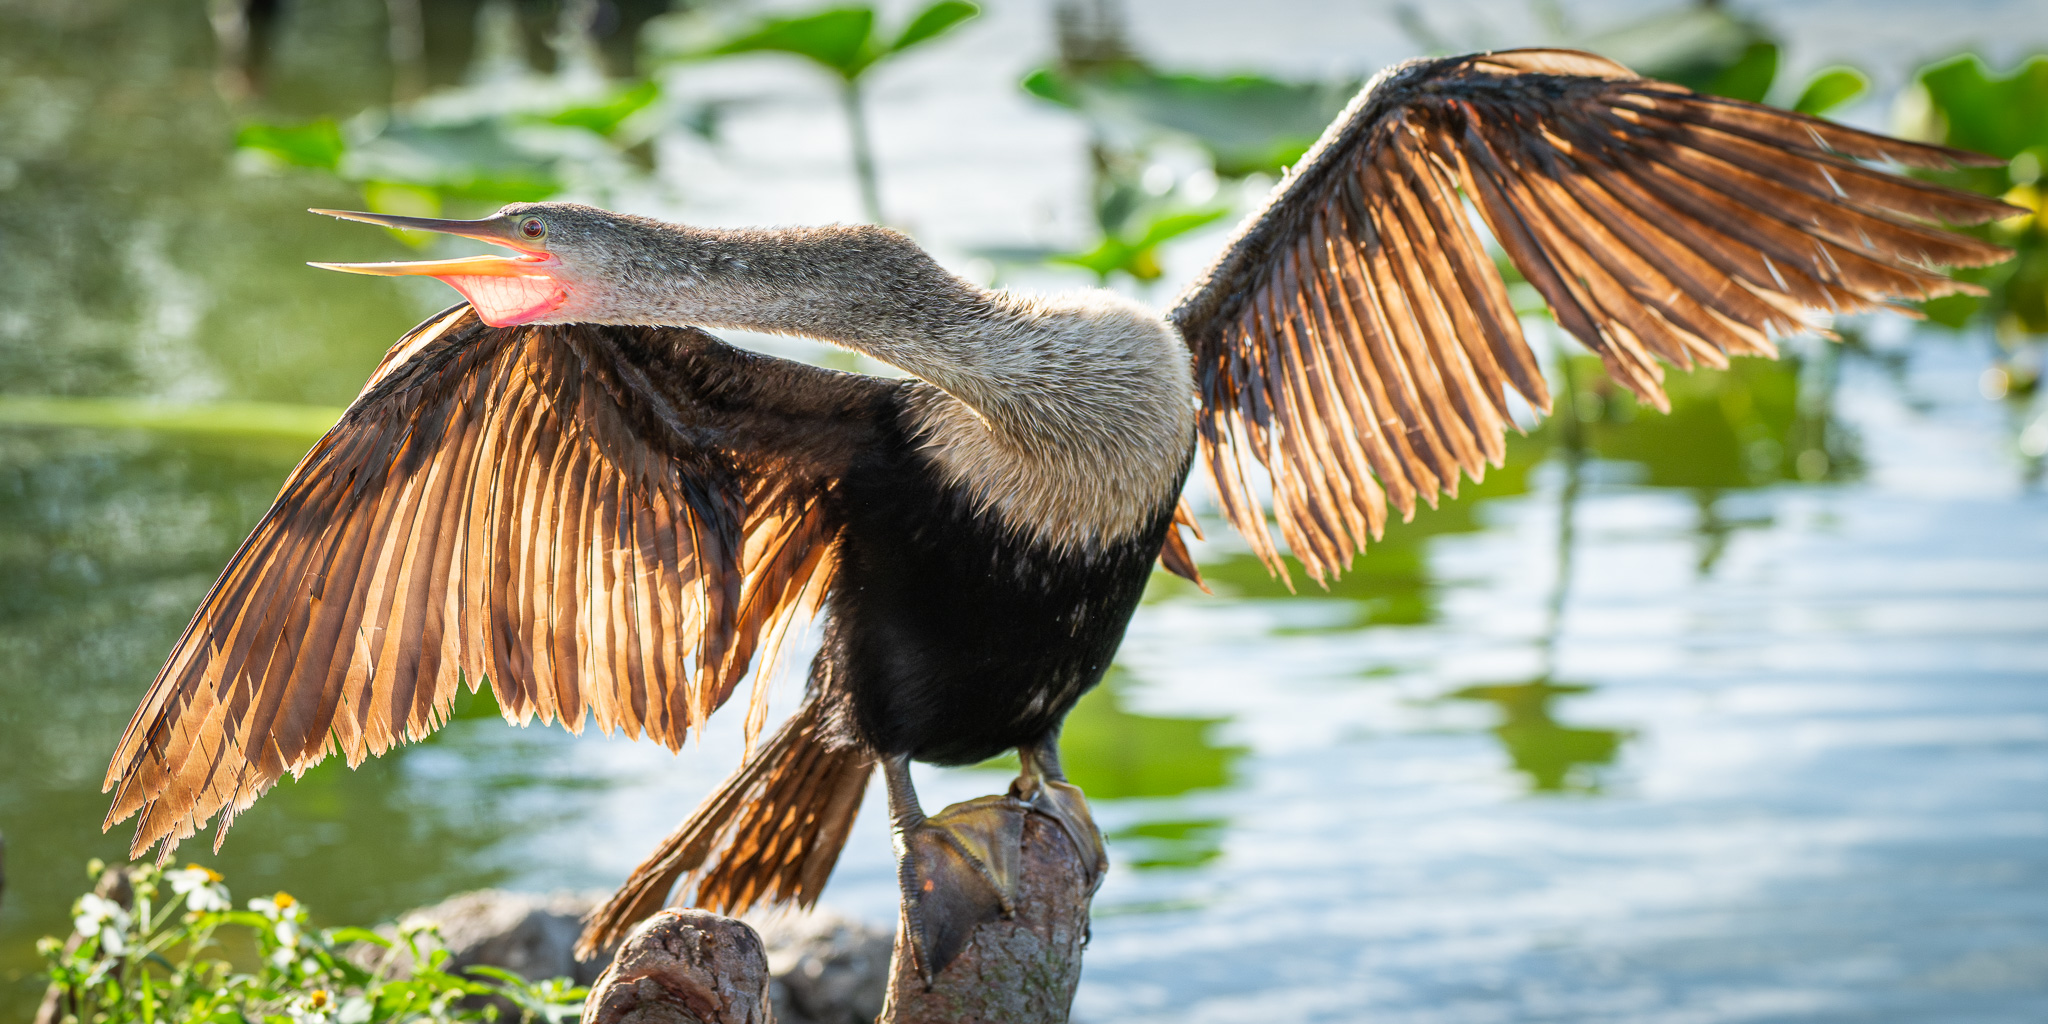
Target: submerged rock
825,968
532,935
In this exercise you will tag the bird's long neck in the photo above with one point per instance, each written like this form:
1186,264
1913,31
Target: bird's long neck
863,288
1081,405
876,292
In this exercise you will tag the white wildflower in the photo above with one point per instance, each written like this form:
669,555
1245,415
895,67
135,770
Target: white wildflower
95,910
312,1008
200,887
100,916
209,899
354,1010
280,907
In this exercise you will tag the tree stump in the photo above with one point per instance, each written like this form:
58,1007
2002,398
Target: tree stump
684,967
694,967
1022,970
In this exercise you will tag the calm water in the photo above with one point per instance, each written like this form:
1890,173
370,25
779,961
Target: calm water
1736,715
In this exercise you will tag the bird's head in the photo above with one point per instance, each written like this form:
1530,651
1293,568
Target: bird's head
562,254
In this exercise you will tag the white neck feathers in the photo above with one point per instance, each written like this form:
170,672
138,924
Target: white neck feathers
1073,420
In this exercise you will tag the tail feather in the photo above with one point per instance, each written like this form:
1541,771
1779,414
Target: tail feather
776,827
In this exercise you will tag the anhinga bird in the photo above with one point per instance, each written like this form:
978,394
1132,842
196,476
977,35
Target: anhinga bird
567,488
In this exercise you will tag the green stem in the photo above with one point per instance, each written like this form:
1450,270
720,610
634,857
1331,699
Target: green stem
1573,435
863,152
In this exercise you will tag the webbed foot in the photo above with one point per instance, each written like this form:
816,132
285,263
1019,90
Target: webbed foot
959,868
956,869
1045,789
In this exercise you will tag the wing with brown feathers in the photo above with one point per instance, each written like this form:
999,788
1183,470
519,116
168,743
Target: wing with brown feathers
1357,341
568,512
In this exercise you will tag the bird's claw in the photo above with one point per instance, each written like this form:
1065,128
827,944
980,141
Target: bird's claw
961,867
958,870
1063,802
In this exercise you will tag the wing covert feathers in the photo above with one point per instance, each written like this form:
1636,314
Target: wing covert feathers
1356,340
520,506
1174,556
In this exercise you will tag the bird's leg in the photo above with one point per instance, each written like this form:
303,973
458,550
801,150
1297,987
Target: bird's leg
1044,787
957,868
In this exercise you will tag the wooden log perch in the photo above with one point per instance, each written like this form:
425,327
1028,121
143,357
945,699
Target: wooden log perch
1020,970
684,967
695,967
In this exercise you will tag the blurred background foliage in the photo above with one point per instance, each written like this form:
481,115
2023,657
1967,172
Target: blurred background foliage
545,108
845,41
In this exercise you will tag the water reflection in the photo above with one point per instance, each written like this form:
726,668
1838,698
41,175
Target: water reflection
1116,754
1392,586
1752,424
109,540
1557,758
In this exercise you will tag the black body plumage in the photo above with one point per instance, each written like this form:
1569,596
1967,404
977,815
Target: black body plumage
957,638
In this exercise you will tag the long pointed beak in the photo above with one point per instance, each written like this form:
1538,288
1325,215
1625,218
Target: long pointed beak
495,230
531,293
464,266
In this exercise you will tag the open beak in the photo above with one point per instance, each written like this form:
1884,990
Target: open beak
505,290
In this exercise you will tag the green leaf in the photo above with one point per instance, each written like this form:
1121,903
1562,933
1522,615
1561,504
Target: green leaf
1174,225
1952,311
1831,88
1749,78
839,39
1248,123
471,161
1046,84
353,934
1999,116
313,144
1108,257
1968,106
605,116
1138,258
498,973
932,22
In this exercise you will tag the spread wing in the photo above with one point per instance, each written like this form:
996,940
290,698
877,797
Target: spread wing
600,521
1356,340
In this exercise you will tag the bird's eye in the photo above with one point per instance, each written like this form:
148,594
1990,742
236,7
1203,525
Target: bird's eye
532,227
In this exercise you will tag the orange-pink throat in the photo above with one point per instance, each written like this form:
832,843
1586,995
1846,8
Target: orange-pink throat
505,290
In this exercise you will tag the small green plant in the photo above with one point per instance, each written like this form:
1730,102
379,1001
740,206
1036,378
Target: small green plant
1138,254
170,946
1961,102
